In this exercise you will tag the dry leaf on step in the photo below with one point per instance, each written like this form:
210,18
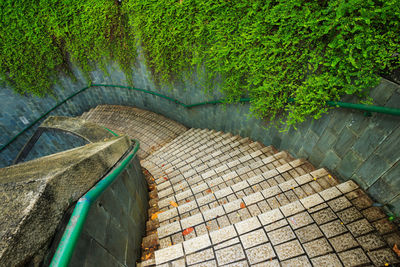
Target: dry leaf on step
155,215
173,204
187,231
242,205
396,250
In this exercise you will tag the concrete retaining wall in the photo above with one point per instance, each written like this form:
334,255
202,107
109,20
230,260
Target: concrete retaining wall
114,227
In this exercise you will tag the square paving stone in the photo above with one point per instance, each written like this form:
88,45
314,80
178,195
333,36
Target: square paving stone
223,234
192,221
312,201
330,260
324,216
270,216
317,247
187,207
232,206
298,261
300,220
271,191
292,208
308,233
247,225
200,256
354,257
260,253
230,254
333,228
360,227
253,198
349,215
281,235
362,202
254,238
227,243
330,193
347,187
275,225
373,213
317,208
343,242
169,254
196,244
339,204
371,241
383,256
169,229
289,250
213,213
384,226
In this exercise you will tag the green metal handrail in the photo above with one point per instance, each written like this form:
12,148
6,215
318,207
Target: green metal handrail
74,228
368,108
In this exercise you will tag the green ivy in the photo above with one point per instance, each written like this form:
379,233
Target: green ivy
270,51
38,39
312,51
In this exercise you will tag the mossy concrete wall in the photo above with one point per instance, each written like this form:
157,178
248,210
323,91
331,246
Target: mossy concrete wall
36,194
114,228
346,142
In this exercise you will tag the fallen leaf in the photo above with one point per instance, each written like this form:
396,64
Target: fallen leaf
163,165
155,215
208,190
147,257
165,178
187,200
208,227
242,205
396,249
187,231
173,204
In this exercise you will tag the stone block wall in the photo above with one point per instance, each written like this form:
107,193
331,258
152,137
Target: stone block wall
346,142
113,230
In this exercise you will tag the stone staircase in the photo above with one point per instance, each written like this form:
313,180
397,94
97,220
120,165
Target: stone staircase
223,200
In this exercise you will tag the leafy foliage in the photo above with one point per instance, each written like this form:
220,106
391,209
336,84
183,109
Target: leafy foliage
268,50
312,51
39,39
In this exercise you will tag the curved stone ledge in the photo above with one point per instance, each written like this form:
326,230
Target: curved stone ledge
87,130
34,195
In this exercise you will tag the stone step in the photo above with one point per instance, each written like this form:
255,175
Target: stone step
232,146
264,159
152,130
211,213
202,160
171,160
179,140
196,141
158,163
241,185
335,227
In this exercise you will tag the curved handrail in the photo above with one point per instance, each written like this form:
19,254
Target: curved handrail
66,247
368,108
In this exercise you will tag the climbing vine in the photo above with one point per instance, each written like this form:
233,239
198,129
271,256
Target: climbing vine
41,38
270,51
